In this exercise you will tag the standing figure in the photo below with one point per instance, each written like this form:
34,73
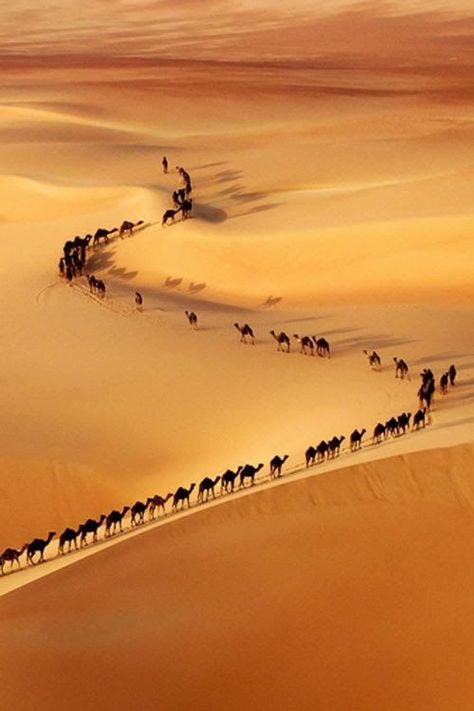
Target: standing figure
452,374
61,267
164,163
139,301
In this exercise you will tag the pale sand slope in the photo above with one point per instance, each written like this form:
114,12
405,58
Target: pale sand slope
351,590
350,217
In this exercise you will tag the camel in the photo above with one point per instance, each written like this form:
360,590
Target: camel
452,374
192,318
425,394
158,502
335,446
276,465
12,555
91,526
419,419
375,361
169,215
245,332
115,517
182,494
310,456
282,340
379,432
100,288
187,208
102,233
38,545
321,451
356,439
127,227
207,485
401,369
322,347
443,383
69,536
404,422
138,511
391,427
228,479
249,472
306,343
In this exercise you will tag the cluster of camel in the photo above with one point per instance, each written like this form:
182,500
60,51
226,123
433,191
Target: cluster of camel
182,202
309,345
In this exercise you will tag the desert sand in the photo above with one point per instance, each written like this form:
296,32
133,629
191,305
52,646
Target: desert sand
331,155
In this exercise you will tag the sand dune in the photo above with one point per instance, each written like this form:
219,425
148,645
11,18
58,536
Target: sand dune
358,576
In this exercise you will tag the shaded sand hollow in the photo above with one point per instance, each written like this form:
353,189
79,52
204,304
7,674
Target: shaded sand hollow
348,590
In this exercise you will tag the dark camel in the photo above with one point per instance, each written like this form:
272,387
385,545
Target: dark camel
322,347
192,318
115,517
282,340
452,374
249,472
38,545
276,465
391,427
356,439
158,502
335,446
100,288
102,233
228,479
443,383
404,422
91,526
401,369
205,487
245,332
310,456
181,495
69,536
187,208
127,227
419,419
306,343
375,361
11,555
425,394
138,511
379,433
169,215
321,451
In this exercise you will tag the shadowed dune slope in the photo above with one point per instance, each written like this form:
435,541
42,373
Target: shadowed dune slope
351,590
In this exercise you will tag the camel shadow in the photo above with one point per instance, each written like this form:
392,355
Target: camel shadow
99,260
348,345
209,213
209,165
122,273
195,288
172,283
436,357
256,209
225,176
272,301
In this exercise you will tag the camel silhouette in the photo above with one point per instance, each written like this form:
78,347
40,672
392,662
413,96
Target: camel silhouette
443,383
38,545
321,451
375,361
306,343
426,394
205,487
192,318
138,512
356,439
181,495
335,446
169,215
282,340
127,227
401,369
69,536
228,479
452,374
249,472
90,526
158,502
379,433
11,555
419,419
322,347
404,422
102,233
276,465
187,208
115,517
391,427
245,332
310,456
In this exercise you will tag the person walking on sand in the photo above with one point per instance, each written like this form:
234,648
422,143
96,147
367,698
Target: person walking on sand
452,374
164,163
139,301
61,266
